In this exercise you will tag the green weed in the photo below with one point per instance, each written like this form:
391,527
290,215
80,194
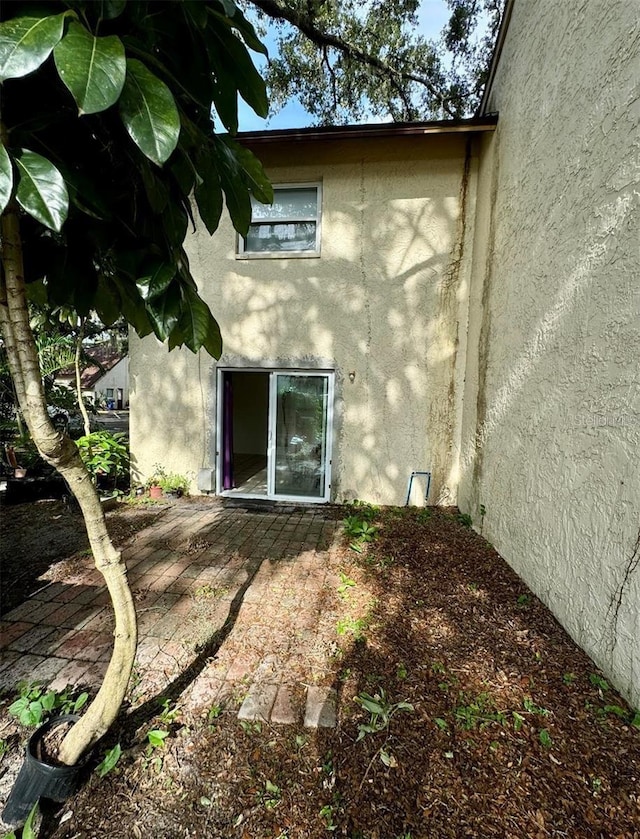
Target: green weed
530,706
545,738
327,816
112,756
381,711
156,738
353,626
464,519
271,796
35,705
599,682
478,712
346,583
28,831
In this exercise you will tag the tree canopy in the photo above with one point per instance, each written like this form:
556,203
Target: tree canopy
350,60
107,130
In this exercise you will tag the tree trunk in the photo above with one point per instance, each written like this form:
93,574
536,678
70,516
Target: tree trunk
81,405
62,453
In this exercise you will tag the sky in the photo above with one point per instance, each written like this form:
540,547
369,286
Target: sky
433,15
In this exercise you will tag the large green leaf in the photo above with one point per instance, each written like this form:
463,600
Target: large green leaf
133,308
255,176
93,69
241,173
155,279
149,113
247,79
41,190
208,193
107,302
112,9
197,327
164,311
246,29
235,189
27,42
155,188
6,178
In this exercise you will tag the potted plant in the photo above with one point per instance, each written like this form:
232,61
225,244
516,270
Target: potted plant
155,482
40,775
175,485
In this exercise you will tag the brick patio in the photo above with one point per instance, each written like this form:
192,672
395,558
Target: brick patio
199,565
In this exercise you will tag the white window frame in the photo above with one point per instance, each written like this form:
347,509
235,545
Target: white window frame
315,253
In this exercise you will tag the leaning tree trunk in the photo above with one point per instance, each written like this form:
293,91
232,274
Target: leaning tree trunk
62,453
78,372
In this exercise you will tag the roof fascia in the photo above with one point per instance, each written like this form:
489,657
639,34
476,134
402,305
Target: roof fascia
495,58
385,130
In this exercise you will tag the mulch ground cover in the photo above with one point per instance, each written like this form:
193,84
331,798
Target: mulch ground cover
464,710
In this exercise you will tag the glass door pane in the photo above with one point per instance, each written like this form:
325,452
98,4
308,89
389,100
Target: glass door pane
299,462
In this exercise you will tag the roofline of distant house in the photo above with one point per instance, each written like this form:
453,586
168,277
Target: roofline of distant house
487,122
495,58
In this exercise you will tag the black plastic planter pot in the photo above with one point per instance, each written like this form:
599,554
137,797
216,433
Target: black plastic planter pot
37,779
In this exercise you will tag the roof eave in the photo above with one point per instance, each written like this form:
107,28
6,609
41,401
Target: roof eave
495,58
383,130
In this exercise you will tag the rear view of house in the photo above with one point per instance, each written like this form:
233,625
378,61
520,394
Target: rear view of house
460,298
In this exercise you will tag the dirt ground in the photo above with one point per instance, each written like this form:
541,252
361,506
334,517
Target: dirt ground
508,729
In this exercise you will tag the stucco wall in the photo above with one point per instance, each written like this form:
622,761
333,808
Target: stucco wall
551,425
382,302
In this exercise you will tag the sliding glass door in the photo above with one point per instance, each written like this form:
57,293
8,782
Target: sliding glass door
296,415
298,434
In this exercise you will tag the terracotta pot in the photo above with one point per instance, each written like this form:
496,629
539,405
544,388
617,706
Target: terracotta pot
38,779
155,492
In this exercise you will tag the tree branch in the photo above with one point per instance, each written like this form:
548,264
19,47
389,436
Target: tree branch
306,25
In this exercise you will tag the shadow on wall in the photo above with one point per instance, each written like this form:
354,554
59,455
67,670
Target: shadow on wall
384,317
169,410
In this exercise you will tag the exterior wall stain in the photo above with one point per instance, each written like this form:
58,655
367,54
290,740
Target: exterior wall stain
442,415
484,343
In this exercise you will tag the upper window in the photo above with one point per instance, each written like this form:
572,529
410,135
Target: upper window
288,227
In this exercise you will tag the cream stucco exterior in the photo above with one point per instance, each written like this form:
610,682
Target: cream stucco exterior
380,307
551,425
478,298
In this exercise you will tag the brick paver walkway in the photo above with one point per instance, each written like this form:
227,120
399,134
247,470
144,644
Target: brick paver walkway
265,573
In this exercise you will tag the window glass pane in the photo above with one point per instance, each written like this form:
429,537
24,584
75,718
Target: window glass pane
293,203
297,236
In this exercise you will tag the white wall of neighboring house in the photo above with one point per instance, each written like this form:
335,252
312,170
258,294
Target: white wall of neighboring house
551,426
114,379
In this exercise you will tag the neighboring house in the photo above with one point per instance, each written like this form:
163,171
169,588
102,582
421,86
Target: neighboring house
458,297
105,383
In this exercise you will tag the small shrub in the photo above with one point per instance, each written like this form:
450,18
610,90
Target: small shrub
104,453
